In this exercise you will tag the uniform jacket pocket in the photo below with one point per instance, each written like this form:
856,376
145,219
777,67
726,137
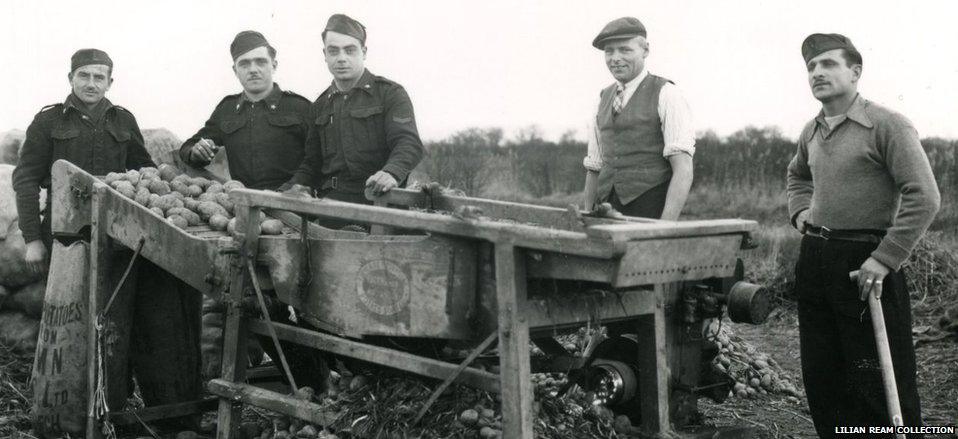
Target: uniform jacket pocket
232,125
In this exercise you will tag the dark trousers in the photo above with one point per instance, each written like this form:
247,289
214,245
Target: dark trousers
348,197
649,205
843,379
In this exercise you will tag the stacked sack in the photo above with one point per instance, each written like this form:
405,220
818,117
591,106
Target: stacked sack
21,291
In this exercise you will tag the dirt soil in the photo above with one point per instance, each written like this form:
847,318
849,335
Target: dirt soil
773,416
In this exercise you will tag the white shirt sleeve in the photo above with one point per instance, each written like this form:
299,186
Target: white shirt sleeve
677,128
593,157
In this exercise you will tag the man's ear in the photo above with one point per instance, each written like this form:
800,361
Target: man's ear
364,52
856,72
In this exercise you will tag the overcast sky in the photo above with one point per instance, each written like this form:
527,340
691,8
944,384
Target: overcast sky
488,63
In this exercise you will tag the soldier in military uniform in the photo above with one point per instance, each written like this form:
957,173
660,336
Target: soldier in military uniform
263,128
362,132
100,137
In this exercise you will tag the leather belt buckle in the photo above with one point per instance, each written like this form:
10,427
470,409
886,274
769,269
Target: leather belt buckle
825,233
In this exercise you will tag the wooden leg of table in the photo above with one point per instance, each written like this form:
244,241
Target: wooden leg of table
514,379
653,368
234,331
99,292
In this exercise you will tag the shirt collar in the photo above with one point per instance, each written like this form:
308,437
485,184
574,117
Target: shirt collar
856,112
272,99
98,110
364,84
634,83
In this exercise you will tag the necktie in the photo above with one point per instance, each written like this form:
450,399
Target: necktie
617,101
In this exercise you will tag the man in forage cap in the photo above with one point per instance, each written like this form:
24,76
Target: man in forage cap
263,131
262,128
861,190
88,130
363,136
641,138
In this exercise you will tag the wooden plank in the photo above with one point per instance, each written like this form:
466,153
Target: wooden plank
379,355
564,310
670,229
654,374
514,366
162,412
532,214
656,261
70,192
522,235
550,265
99,292
277,402
229,416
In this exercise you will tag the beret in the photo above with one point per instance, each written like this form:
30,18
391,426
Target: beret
85,57
625,27
817,44
245,41
340,23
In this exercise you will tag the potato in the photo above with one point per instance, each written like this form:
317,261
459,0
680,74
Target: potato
168,172
159,187
214,188
112,177
142,196
178,195
207,197
166,202
210,208
180,187
144,183
203,183
219,222
195,190
148,170
182,178
191,204
191,217
126,188
133,176
231,226
177,221
153,198
233,184
158,211
271,227
224,200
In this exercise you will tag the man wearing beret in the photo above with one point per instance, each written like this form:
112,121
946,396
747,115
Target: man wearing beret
363,132
641,139
862,192
100,137
263,128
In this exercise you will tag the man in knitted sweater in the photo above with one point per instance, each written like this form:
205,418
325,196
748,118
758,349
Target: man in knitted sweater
861,190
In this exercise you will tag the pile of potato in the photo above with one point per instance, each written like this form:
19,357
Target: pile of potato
182,200
755,373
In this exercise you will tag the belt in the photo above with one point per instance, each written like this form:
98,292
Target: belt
869,236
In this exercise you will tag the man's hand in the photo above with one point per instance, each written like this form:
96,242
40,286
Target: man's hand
36,256
870,278
299,191
203,151
801,221
381,182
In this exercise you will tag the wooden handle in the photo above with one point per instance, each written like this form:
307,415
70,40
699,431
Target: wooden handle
884,358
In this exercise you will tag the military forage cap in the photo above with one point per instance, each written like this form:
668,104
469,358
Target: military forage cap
342,24
85,57
817,44
625,27
245,41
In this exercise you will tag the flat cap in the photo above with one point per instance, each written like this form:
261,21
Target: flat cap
817,44
245,41
625,27
340,23
85,57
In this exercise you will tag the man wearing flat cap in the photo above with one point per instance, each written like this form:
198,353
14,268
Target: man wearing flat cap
263,128
91,132
363,134
641,139
862,192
